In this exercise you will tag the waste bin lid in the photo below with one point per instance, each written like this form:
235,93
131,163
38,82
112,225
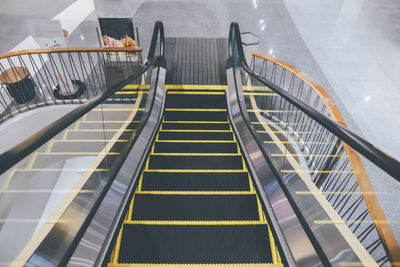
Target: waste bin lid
14,75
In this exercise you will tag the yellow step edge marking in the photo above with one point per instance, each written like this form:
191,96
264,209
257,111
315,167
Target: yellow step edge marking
315,171
78,124
109,121
84,117
289,142
60,169
197,170
50,145
141,90
306,155
196,154
337,193
194,264
129,93
196,193
118,245
139,187
88,141
48,191
275,123
78,153
195,141
255,88
194,93
273,248
351,221
223,122
136,86
283,132
262,94
130,211
112,258
198,109
116,109
273,111
199,131
65,135
197,222
152,147
251,186
195,87
260,210
101,130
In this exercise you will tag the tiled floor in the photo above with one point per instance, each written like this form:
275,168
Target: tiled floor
352,48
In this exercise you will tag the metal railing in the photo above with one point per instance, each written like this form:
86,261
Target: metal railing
293,115
77,157
41,77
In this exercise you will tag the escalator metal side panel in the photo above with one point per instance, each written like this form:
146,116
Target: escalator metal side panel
95,241
297,248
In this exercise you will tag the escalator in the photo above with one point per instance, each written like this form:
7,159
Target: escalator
195,202
188,163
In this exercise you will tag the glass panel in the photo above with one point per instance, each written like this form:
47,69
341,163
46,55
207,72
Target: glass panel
300,147
78,163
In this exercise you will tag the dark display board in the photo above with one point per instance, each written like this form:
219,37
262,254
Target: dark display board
117,32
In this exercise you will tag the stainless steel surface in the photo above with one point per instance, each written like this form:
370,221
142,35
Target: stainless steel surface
97,238
312,210
301,250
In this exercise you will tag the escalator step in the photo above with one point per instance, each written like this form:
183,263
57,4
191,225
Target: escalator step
194,244
192,147
195,162
158,181
195,101
195,126
195,135
165,207
195,116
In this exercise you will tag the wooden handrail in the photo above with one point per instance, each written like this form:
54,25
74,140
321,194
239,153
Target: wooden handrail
374,207
70,50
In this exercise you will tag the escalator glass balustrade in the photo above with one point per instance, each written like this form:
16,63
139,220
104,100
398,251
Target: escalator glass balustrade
76,164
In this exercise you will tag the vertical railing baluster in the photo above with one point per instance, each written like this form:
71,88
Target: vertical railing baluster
47,72
85,74
36,75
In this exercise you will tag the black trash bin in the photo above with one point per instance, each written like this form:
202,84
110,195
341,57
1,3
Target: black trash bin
19,85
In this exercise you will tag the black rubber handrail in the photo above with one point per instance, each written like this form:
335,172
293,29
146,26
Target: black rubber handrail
387,163
15,154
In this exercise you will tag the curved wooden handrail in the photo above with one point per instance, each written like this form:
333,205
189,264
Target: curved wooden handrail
325,97
369,195
70,50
